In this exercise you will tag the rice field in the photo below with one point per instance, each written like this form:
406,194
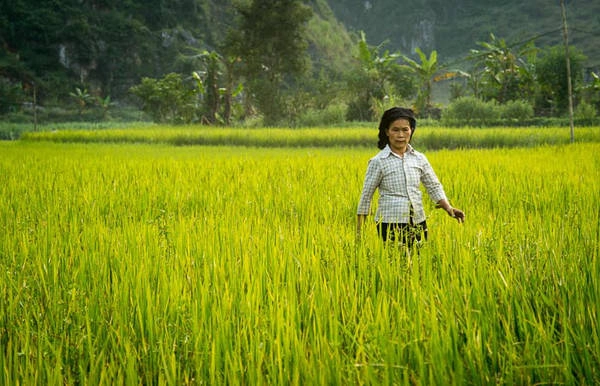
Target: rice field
431,138
153,264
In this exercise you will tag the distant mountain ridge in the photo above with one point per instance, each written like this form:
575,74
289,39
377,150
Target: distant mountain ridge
453,27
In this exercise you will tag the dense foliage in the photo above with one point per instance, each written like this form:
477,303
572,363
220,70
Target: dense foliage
108,47
271,58
452,27
107,44
235,64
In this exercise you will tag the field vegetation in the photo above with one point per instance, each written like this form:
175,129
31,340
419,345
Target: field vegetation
147,263
427,137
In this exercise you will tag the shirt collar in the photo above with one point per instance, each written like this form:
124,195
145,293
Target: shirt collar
387,151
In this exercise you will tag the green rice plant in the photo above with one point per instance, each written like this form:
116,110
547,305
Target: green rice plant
426,137
153,264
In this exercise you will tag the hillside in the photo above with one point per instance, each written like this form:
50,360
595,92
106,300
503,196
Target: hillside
453,27
108,47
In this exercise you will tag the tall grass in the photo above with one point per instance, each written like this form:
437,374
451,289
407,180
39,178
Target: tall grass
425,137
13,130
134,264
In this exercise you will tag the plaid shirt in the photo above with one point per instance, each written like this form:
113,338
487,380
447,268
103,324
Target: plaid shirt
398,179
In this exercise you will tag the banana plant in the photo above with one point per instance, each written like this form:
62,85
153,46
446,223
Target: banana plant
82,98
425,72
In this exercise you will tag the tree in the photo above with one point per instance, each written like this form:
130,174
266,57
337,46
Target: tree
507,72
82,98
378,75
271,43
105,104
208,85
230,90
214,76
167,99
426,72
11,95
551,70
591,92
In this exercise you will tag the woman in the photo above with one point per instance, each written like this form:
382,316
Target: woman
397,171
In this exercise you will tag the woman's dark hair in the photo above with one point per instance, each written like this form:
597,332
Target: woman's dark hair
390,116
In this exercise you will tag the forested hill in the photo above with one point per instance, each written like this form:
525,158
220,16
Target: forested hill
452,27
109,45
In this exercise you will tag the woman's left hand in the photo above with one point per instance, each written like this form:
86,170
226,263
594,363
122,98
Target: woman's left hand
456,213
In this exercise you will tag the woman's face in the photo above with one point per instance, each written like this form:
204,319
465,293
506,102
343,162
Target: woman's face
398,134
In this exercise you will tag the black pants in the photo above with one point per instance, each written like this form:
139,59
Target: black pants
406,234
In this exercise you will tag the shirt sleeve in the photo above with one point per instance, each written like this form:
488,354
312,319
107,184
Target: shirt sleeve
432,184
372,181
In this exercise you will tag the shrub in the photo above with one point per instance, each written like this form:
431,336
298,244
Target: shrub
167,99
585,112
470,111
11,96
331,115
516,110
378,106
10,131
